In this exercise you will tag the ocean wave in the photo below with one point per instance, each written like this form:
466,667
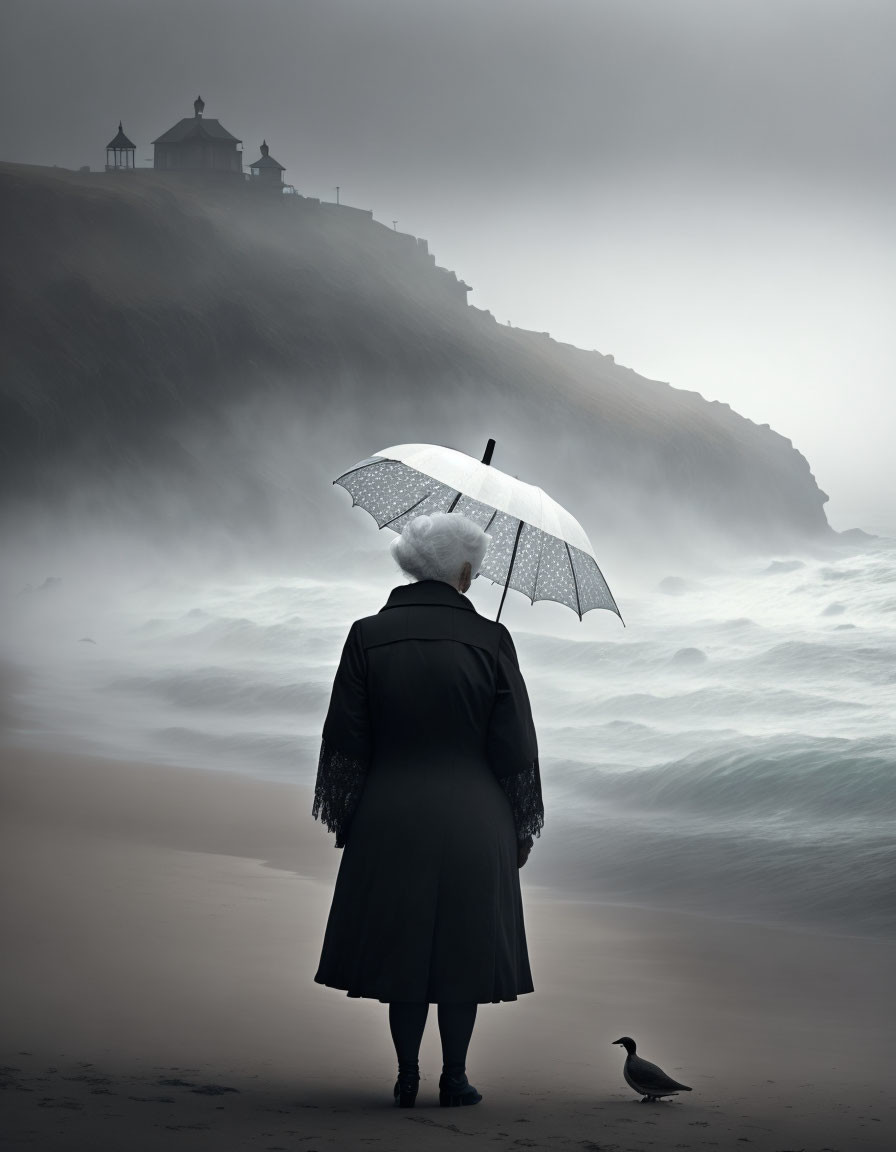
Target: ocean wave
228,691
813,781
782,567
760,702
841,660
836,574
203,631
246,634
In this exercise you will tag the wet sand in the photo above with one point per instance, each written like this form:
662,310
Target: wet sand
161,931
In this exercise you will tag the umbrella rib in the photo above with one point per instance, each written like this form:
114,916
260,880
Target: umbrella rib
537,569
411,509
519,532
575,582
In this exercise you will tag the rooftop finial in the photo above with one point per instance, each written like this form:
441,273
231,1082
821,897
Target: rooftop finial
264,148
198,106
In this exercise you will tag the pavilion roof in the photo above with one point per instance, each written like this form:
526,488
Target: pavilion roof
267,162
196,128
121,141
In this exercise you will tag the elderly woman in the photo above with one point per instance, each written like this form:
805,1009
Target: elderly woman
429,777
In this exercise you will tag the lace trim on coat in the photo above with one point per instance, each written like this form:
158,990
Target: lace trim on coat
340,781
523,790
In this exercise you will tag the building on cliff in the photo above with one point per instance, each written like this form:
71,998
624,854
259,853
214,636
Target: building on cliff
266,170
195,144
120,153
199,146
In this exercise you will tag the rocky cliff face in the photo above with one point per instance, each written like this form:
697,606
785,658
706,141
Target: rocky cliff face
165,340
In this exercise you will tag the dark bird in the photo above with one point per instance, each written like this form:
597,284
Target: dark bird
646,1078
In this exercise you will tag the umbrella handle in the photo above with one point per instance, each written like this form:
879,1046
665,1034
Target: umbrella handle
519,533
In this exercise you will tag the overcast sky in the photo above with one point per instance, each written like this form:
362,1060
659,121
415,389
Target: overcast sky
703,188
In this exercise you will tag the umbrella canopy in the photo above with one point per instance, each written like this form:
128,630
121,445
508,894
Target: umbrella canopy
536,546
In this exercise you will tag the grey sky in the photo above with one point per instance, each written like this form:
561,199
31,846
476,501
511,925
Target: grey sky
703,188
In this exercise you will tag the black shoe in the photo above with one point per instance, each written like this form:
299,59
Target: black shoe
406,1088
457,1090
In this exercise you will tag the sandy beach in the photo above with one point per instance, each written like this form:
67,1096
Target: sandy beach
162,927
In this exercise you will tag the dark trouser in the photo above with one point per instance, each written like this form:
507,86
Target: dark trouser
407,1021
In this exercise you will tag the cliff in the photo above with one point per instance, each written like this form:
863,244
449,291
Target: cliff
165,339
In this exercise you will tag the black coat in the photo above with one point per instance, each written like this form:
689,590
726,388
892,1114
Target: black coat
429,777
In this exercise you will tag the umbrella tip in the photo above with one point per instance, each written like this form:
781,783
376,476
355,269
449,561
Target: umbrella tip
489,448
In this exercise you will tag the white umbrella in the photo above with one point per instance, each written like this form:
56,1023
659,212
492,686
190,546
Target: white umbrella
535,545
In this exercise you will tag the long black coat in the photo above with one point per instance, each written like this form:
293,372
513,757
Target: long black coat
429,777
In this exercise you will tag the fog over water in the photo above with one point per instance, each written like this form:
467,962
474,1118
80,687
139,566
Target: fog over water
731,751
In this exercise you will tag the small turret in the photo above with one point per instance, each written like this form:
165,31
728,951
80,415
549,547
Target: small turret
266,169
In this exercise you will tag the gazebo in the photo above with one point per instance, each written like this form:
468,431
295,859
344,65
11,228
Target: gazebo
120,153
266,168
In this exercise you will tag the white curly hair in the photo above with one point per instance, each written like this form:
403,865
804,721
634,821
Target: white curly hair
436,547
